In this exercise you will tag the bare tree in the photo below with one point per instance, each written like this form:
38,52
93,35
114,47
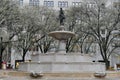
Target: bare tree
34,29
99,21
50,23
73,22
8,15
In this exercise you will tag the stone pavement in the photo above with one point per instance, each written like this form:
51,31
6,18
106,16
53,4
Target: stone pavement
18,75
24,78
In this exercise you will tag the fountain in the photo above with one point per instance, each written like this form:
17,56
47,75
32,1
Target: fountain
61,35
62,61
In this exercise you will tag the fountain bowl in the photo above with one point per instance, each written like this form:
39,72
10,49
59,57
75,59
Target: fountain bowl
61,35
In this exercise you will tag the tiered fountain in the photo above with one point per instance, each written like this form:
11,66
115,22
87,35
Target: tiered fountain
62,61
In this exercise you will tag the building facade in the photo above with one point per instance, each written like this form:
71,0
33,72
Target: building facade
56,4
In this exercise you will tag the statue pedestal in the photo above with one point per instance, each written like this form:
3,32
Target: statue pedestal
62,47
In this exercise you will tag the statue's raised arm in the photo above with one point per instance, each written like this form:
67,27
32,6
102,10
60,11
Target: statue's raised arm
61,17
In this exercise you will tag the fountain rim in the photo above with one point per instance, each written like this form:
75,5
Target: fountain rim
69,33
62,32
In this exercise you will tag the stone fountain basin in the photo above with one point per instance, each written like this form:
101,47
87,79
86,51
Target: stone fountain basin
61,35
53,67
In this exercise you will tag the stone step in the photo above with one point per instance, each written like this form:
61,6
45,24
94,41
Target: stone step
50,75
71,57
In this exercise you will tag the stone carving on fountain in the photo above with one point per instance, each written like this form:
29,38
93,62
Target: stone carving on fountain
61,61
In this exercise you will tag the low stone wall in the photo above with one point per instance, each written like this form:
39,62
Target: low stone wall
62,66
69,57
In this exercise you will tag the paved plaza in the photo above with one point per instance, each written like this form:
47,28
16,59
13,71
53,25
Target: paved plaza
25,78
18,75
19,78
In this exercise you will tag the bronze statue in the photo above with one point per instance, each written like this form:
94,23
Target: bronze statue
61,17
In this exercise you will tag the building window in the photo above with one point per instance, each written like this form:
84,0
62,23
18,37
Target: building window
21,2
76,4
49,3
102,31
62,3
91,5
34,2
116,5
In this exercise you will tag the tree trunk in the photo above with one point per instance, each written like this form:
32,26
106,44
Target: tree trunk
1,52
0,59
107,64
0,62
23,57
